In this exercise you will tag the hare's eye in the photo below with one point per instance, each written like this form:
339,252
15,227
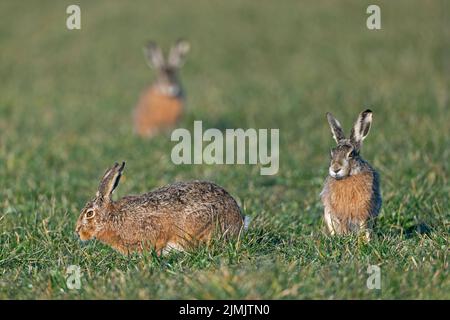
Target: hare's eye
90,214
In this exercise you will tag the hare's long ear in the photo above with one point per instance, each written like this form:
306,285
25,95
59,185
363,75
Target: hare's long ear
361,128
178,53
110,181
336,128
154,55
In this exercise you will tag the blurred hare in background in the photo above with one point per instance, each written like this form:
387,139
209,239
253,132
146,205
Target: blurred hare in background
161,105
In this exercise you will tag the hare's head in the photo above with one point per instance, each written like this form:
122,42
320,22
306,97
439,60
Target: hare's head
345,158
94,214
167,70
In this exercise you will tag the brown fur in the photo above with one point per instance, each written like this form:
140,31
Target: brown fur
351,194
160,107
349,198
156,111
179,216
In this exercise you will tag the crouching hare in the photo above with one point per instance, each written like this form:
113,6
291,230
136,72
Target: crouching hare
179,216
351,195
161,105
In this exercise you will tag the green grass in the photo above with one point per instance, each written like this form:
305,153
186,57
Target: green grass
65,116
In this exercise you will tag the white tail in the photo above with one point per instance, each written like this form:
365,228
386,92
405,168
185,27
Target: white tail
247,220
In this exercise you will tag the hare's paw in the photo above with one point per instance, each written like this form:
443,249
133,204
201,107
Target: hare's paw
171,247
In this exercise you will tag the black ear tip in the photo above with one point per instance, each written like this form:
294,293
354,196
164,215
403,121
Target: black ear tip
368,111
122,166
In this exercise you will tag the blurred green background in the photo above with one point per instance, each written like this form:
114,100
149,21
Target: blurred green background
66,99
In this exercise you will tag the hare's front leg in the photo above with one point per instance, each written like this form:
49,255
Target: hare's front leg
364,229
331,223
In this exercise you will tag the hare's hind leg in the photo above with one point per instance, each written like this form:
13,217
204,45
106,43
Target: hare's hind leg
172,246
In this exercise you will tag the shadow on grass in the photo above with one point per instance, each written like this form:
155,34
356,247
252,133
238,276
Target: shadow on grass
408,232
421,228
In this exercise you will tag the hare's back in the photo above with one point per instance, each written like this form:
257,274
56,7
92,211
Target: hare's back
185,210
197,206
193,196
193,202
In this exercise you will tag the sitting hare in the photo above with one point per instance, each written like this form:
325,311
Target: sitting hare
161,105
178,216
351,195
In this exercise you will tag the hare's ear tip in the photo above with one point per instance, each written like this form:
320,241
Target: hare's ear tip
367,111
119,166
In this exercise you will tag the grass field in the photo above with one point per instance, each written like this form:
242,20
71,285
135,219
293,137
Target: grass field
65,116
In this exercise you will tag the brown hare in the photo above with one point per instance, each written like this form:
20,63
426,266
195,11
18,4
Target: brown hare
161,105
178,217
351,195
